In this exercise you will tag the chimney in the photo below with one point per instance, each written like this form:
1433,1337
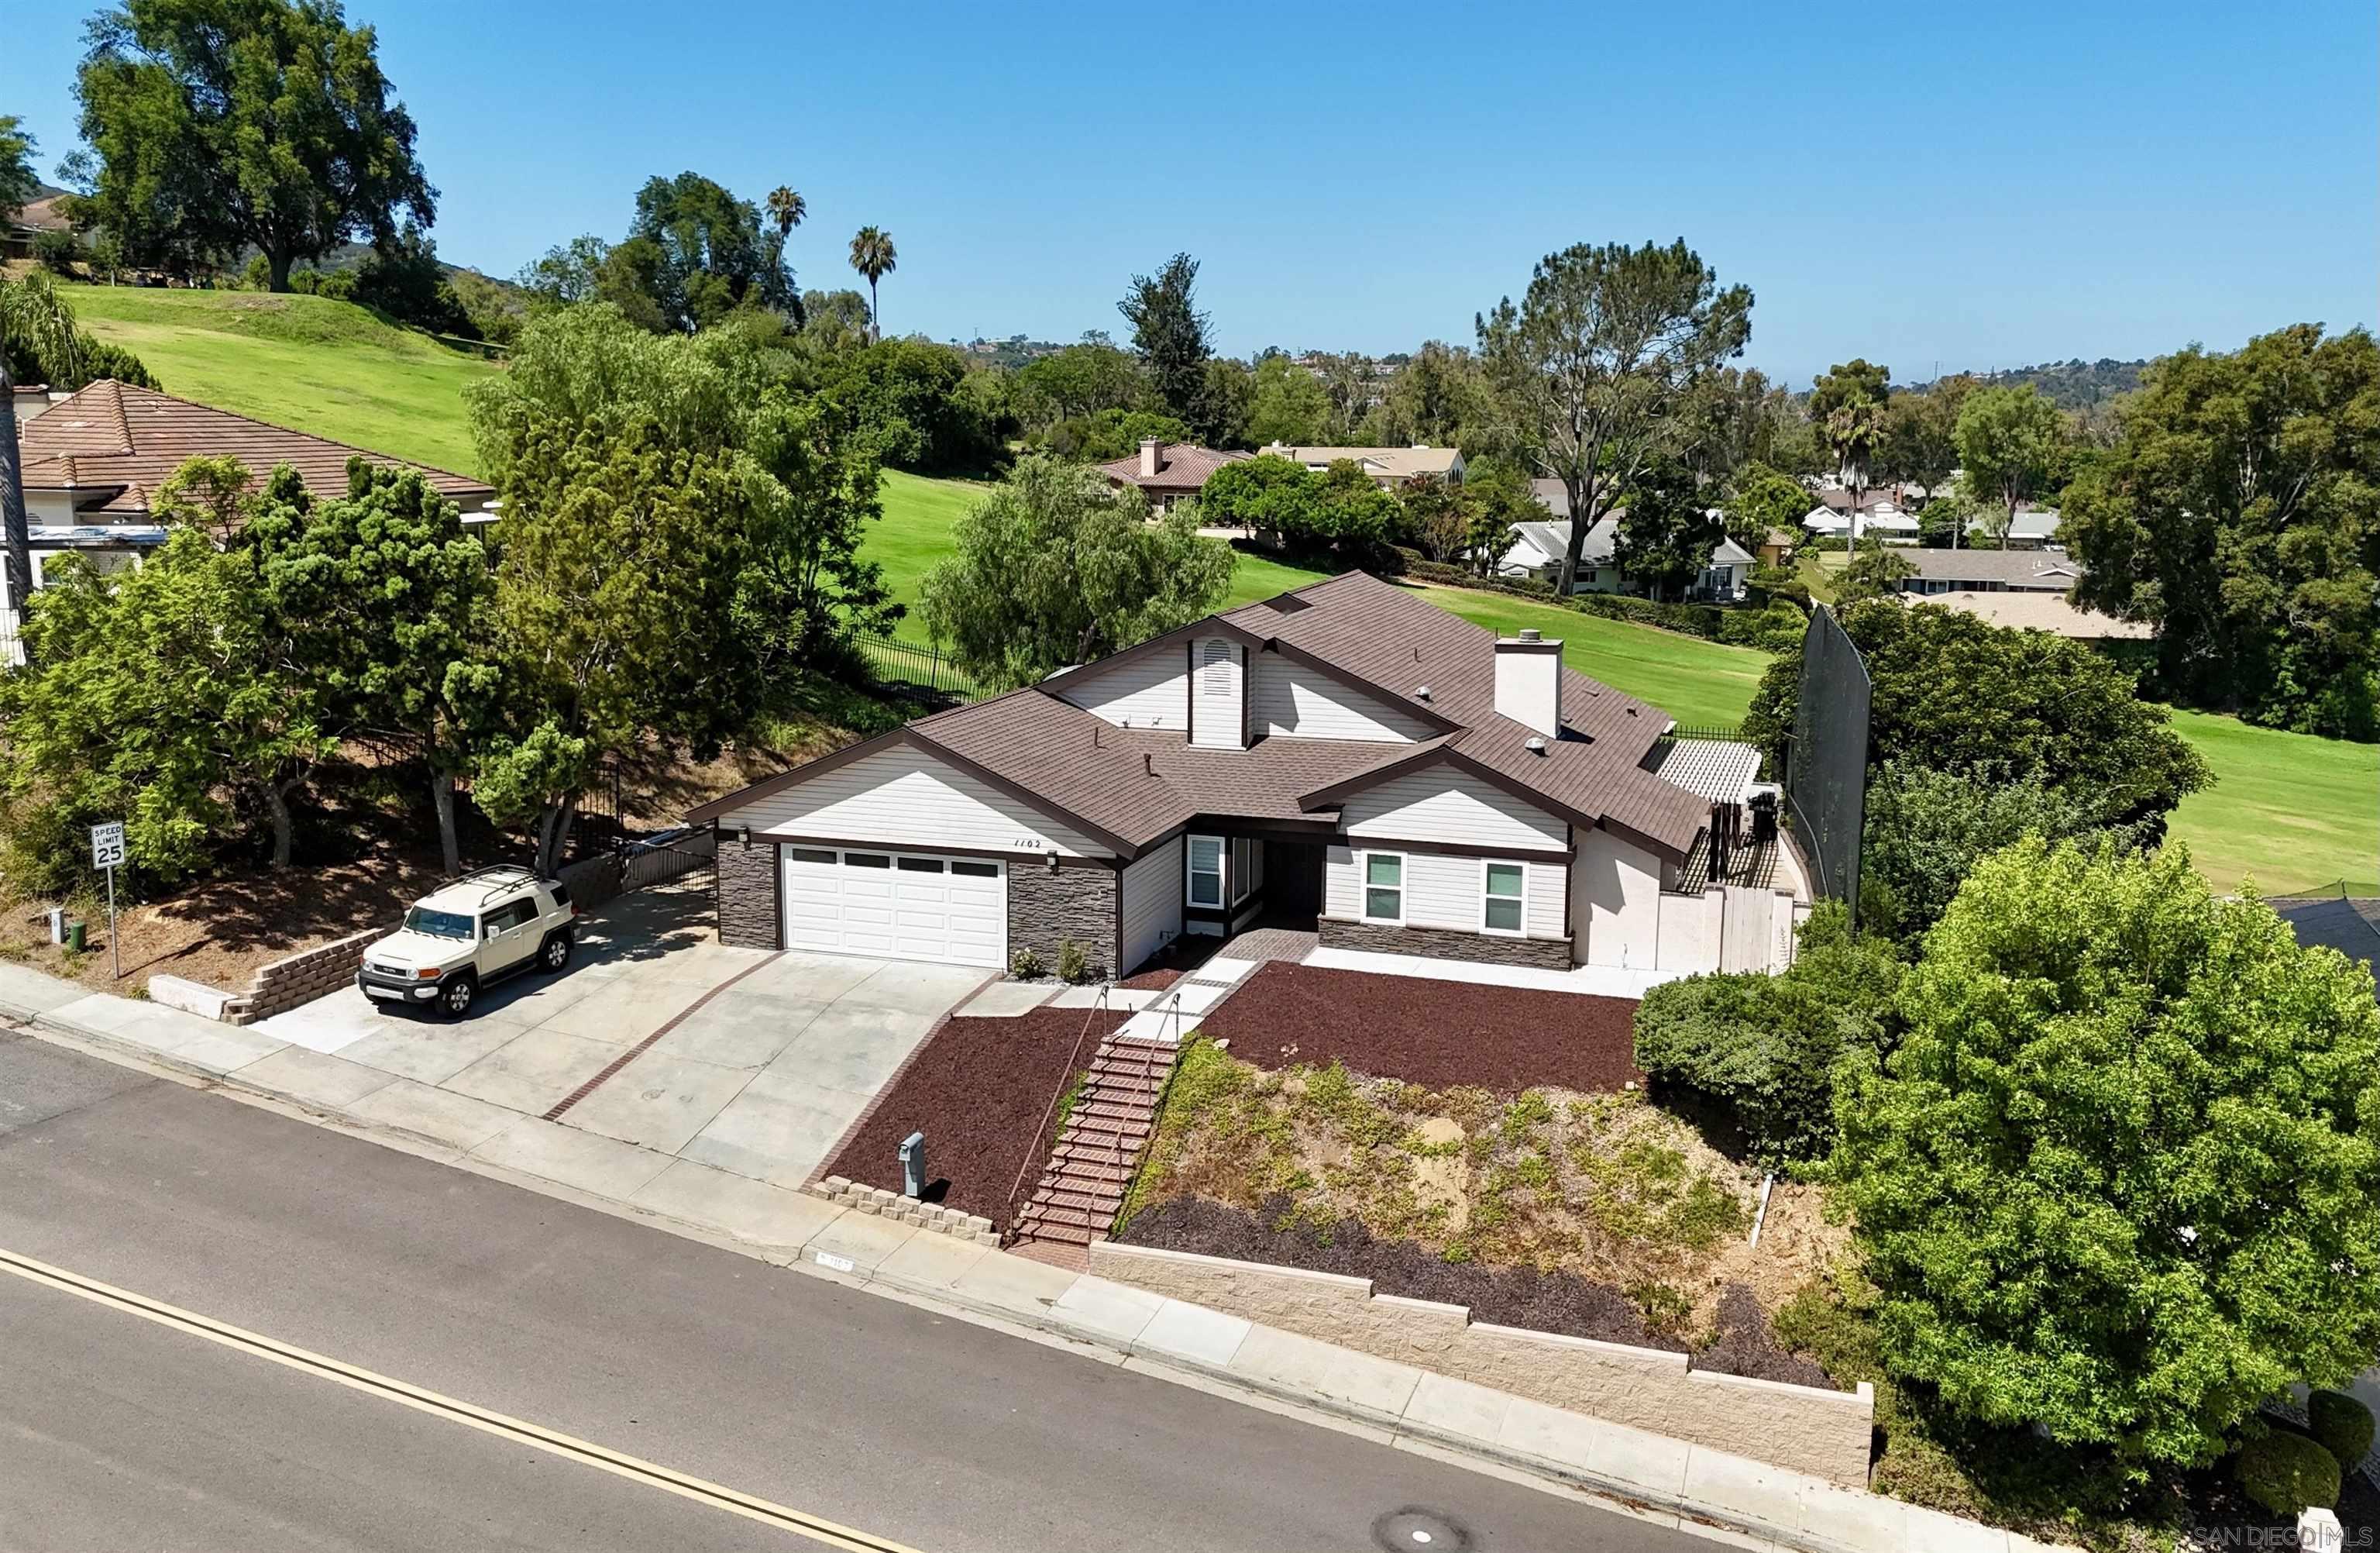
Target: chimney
1149,457
1528,681
31,400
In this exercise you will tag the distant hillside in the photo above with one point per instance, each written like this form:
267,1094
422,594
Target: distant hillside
2076,385
321,366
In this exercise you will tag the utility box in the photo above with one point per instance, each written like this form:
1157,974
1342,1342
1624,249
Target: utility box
913,1166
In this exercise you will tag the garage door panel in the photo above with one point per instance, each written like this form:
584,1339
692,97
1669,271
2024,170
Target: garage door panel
913,906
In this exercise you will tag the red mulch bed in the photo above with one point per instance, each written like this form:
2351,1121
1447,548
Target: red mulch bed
1151,981
979,1091
1436,1034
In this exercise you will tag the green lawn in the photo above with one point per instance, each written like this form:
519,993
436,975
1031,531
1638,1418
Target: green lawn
319,366
1697,682
2293,812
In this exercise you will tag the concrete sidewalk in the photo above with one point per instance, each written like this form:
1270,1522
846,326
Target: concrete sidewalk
1742,1503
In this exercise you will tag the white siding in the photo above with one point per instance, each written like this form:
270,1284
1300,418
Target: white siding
1152,903
1615,902
1217,682
1341,893
1445,890
903,797
1296,702
1151,691
1443,804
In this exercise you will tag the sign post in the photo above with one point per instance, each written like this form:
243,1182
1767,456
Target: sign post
107,851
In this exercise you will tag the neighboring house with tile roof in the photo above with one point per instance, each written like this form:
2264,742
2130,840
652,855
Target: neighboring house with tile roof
1345,759
1988,572
1538,547
1168,472
1388,467
93,459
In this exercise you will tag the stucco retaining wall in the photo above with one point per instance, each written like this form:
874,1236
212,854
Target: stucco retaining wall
1822,1433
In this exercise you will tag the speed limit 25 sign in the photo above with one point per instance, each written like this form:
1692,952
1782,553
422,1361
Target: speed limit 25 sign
107,845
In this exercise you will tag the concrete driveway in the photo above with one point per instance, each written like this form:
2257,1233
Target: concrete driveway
658,1036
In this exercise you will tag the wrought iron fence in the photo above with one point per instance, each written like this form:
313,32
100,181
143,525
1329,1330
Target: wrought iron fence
916,663
1729,731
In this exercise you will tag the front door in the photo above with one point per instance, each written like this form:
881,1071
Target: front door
1294,880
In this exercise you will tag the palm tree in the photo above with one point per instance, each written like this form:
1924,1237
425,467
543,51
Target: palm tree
872,255
36,322
1853,431
785,208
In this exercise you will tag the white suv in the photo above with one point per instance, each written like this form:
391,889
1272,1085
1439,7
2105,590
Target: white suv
460,937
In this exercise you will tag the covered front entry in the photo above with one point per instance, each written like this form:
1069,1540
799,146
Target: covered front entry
896,905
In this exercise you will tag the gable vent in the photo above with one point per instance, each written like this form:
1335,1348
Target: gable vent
1215,667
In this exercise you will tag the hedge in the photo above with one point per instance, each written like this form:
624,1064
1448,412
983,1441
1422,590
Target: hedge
2287,1472
1738,626
2342,1424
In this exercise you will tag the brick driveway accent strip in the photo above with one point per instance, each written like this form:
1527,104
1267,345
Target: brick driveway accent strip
606,1073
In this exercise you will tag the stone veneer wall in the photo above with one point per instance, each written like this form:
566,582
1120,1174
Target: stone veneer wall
1045,905
1445,943
746,881
1799,1427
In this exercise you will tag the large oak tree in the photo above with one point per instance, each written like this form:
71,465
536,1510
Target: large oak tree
223,124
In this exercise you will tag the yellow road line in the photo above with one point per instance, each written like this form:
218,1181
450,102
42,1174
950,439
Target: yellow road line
553,1442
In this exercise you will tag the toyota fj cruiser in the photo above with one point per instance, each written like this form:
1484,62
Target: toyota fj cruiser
463,936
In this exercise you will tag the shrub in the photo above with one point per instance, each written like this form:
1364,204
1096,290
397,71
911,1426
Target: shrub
1766,1046
2342,1424
57,251
2287,1473
1074,962
2097,1051
1025,965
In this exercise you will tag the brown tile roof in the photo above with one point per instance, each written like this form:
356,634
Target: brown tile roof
1131,787
1180,466
111,434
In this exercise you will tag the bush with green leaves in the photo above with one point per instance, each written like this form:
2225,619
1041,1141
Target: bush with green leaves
1074,962
2343,1425
2121,1178
1027,965
2287,1472
1927,828
1951,691
1766,1046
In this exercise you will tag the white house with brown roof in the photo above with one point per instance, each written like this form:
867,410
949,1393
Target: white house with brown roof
1345,760
1388,467
1168,472
93,459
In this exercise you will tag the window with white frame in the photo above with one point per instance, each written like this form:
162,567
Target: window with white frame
1384,887
1503,888
1205,861
1242,851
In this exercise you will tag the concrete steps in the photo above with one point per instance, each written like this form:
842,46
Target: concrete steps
1083,1187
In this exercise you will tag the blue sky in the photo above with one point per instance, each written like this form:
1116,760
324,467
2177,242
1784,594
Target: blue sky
1974,186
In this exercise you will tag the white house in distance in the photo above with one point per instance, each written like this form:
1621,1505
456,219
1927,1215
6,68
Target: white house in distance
1345,761
1388,467
1538,548
93,459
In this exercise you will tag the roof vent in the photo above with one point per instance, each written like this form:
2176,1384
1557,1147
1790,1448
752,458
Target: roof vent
1535,745
1421,693
1529,633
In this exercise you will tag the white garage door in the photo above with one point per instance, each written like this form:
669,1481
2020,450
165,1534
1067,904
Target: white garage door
897,905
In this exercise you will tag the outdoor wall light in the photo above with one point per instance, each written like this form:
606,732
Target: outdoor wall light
744,834
1053,862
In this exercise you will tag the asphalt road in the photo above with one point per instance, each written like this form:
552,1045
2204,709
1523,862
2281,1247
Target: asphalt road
117,1433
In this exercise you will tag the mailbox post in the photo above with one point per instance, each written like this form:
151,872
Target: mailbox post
913,1166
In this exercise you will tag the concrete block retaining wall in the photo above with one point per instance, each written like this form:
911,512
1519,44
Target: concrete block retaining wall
905,1210
301,977
1822,1433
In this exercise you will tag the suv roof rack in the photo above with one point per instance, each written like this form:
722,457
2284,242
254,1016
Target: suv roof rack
515,873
